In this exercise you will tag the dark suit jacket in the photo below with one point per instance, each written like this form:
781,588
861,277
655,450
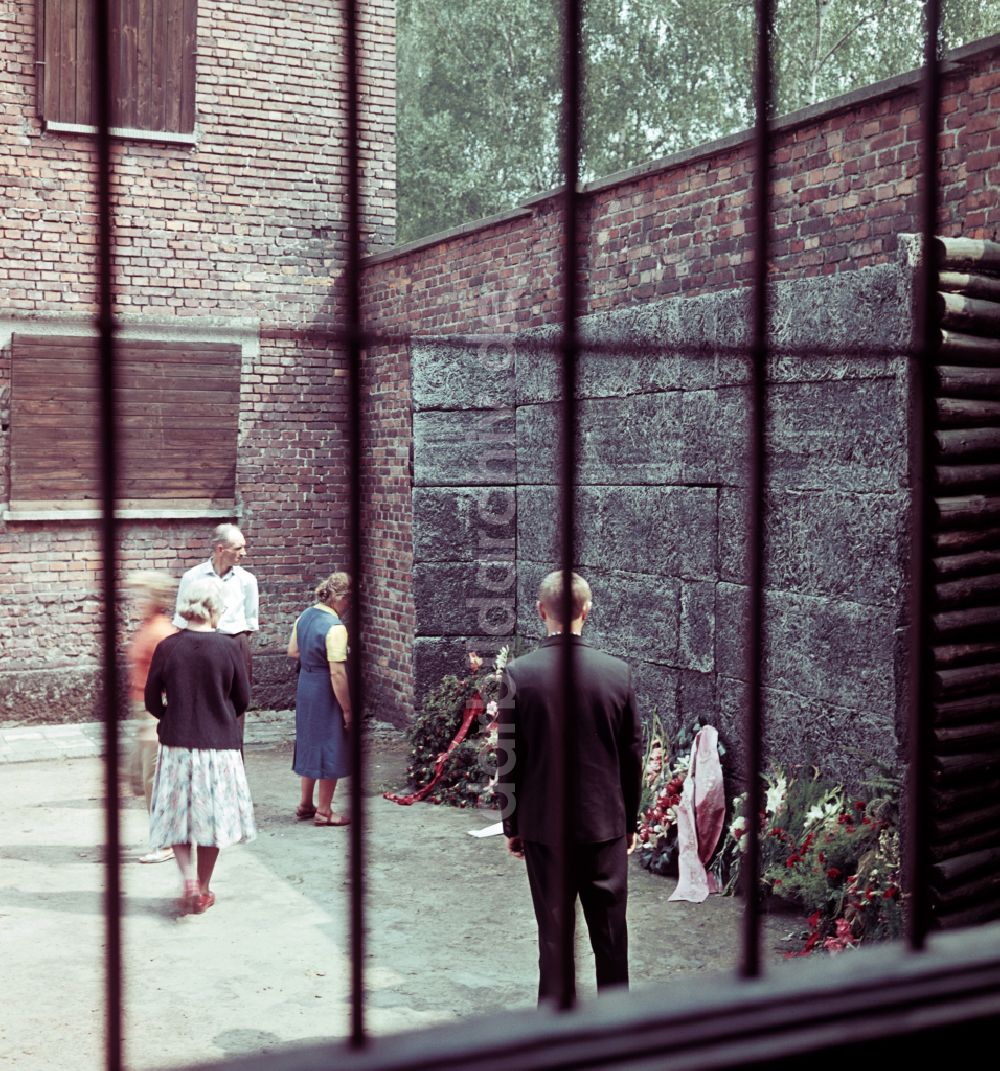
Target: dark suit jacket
607,745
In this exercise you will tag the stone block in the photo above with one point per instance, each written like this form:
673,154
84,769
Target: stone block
846,546
636,440
847,435
840,652
463,524
473,373
715,436
274,681
802,732
459,598
663,531
463,449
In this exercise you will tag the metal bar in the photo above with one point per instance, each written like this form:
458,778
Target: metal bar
922,418
352,314
753,734
571,79
108,461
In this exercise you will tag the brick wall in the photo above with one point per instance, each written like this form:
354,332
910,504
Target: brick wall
845,186
243,232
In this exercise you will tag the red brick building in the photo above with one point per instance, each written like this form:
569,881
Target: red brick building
229,180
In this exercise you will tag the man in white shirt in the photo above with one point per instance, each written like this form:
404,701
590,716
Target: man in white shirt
239,589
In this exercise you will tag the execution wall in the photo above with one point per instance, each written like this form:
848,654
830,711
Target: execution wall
662,505
234,236
845,187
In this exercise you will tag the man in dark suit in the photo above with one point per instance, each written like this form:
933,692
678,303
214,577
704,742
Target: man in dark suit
605,779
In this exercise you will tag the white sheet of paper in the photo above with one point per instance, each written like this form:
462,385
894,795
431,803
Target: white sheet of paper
487,831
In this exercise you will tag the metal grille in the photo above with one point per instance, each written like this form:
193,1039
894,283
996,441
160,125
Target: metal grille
352,338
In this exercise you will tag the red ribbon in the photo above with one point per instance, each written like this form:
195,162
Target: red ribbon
474,707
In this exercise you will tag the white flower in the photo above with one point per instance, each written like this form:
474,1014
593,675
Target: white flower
492,708
775,794
501,660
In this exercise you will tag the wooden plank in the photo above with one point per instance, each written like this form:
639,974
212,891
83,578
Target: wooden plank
84,107
960,254
66,107
967,412
140,345
976,286
975,563
119,89
966,738
143,88
189,44
966,680
171,60
158,49
973,511
967,477
967,443
964,654
966,711
959,542
969,623
958,382
130,63
968,314
958,348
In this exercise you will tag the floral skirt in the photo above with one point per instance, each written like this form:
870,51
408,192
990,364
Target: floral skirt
200,797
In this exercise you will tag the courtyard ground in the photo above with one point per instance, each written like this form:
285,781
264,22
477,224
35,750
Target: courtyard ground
451,931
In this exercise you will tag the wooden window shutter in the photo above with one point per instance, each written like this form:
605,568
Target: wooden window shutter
178,412
153,63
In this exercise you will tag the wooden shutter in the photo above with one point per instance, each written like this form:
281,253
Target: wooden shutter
152,48
178,413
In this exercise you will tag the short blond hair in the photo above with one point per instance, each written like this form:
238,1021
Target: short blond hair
202,601
336,586
159,588
550,595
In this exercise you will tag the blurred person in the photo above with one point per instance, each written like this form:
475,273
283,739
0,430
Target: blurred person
606,754
322,701
197,687
154,599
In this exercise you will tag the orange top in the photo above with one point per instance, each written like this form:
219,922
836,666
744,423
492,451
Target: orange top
140,651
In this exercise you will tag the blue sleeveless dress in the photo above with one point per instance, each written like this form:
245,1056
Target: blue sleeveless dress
321,747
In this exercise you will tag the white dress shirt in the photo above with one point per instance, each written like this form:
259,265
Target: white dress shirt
239,594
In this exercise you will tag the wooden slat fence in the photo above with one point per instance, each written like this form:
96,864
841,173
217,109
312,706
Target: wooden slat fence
965,847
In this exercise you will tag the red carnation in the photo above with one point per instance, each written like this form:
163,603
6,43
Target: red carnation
833,873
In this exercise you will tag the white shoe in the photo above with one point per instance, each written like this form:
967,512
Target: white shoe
161,855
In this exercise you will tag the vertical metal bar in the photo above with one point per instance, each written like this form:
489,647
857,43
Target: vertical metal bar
352,314
920,713
108,461
571,79
754,730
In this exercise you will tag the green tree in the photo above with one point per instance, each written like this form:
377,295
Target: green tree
479,84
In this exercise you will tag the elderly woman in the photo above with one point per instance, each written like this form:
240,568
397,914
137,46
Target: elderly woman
154,595
197,687
323,700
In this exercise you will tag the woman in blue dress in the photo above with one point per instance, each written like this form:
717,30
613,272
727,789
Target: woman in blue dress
322,701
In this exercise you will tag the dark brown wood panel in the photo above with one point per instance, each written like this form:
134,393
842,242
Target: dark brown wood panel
178,419
152,56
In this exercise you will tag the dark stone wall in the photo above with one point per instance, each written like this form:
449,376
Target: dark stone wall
661,504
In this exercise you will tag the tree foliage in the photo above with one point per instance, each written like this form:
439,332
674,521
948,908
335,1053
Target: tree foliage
479,84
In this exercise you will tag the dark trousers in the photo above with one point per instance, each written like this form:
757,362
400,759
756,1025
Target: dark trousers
599,877
243,640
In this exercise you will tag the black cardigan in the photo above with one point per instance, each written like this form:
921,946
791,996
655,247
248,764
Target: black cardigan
205,680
